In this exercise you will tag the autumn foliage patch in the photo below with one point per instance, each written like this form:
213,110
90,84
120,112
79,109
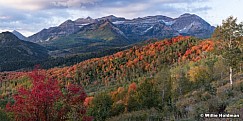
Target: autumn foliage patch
46,101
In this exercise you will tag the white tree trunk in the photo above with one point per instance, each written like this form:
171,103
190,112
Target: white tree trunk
231,71
240,67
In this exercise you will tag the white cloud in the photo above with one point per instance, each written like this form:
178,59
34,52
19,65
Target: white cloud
23,4
4,30
4,17
130,11
44,4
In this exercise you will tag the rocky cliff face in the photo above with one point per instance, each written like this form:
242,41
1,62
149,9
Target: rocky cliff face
192,25
162,27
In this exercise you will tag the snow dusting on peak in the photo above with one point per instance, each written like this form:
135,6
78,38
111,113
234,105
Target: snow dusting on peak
119,31
169,23
118,22
187,28
148,29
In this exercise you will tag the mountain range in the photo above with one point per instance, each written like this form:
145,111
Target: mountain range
137,29
89,37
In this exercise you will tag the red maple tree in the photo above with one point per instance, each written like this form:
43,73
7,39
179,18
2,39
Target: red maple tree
45,101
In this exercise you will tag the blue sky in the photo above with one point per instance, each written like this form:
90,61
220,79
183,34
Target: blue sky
31,16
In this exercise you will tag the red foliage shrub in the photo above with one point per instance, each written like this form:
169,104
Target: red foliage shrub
40,102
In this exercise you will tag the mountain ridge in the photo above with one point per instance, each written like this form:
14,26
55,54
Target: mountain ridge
16,53
99,36
19,35
132,28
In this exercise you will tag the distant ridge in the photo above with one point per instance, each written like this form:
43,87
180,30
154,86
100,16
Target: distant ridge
86,35
138,29
16,53
19,35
